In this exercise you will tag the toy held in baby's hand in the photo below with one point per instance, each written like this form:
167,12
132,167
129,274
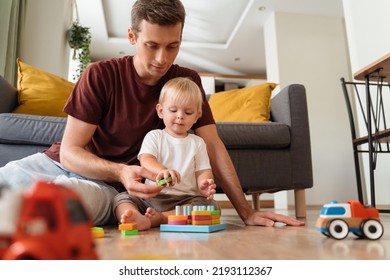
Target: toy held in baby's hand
163,182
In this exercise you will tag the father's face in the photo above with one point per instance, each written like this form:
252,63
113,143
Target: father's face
157,48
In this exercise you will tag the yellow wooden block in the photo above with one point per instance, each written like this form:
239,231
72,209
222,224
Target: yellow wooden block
200,213
97,232
127,226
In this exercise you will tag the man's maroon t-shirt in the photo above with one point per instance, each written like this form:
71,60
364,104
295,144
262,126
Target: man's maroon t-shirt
111,95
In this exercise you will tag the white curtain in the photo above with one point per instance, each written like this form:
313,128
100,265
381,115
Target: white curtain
12,15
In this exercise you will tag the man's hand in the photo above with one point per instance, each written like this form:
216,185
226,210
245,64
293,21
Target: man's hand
131,178
268,219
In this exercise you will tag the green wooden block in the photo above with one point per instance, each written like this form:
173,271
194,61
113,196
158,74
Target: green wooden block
129,232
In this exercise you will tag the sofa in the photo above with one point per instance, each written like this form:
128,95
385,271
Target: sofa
268,156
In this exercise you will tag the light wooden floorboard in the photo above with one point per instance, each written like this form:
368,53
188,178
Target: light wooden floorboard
244,242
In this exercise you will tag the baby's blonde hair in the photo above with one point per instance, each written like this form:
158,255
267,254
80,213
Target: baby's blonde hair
182,90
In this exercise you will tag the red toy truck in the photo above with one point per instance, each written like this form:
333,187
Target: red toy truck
47,222
338,219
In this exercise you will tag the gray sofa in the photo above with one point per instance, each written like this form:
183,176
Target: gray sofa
268,157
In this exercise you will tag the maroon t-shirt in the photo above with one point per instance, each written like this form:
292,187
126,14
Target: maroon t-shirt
111,95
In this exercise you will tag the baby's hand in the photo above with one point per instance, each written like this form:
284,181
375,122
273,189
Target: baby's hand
207,188
168,177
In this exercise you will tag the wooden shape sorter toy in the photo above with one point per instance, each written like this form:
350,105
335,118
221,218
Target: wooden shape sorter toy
199,219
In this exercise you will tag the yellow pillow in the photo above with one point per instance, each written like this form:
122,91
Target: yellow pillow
249,104
41,93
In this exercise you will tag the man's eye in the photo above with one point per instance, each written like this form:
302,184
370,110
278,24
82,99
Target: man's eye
152,46
173,46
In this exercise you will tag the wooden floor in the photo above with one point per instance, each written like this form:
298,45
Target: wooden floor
241,242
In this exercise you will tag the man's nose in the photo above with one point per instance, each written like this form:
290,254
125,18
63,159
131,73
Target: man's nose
161,56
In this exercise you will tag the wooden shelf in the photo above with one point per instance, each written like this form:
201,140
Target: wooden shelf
383,136
383,64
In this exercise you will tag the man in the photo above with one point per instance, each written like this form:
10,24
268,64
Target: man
110,111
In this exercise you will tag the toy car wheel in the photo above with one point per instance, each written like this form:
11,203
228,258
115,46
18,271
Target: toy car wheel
372,229
338,229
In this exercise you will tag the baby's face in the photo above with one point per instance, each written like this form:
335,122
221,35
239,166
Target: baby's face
178,116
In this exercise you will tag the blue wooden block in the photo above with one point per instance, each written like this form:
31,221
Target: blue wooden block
191,228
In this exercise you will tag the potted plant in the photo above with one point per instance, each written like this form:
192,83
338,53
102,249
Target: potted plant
79,39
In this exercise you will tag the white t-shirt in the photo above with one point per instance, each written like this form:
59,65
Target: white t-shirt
185,155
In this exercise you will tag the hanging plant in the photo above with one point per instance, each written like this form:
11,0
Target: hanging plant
79,39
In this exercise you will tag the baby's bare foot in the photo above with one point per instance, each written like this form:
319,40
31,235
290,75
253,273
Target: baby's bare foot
150,212
156,218
131,216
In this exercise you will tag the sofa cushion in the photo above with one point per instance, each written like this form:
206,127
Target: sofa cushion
41,93
8,96
30,130
236,135
249,104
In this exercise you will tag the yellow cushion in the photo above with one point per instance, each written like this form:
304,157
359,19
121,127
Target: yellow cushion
41,93
249,104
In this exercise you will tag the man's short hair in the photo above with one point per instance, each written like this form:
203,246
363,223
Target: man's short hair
161,12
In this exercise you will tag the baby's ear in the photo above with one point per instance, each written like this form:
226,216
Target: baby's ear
159,110
198,116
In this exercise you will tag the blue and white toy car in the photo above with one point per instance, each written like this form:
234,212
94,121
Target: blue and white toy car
338,219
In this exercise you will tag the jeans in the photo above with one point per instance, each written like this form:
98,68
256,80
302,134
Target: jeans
97,196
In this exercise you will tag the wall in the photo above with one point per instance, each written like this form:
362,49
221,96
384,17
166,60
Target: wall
367,25
215,82
312,50
44,42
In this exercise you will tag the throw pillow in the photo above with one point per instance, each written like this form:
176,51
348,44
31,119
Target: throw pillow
249,104
41,93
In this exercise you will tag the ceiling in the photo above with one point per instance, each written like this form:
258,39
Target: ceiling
220,36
